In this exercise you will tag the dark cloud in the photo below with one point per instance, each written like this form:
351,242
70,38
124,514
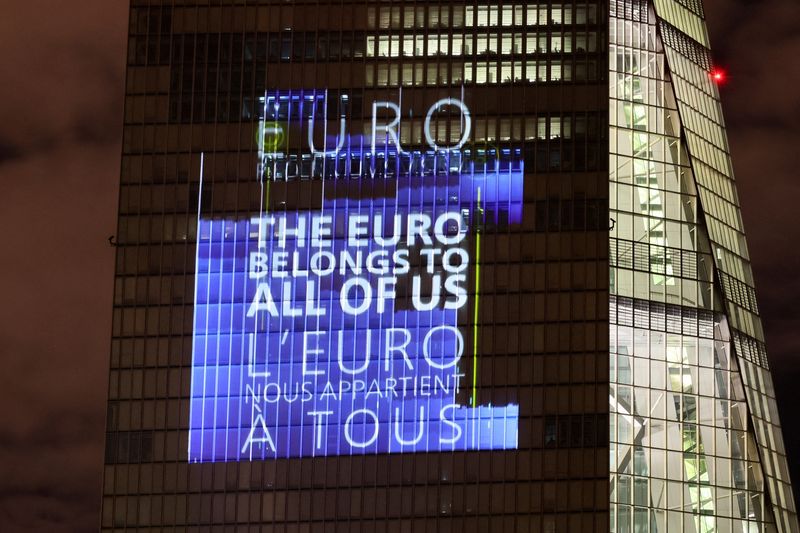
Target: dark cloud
61,104
8,151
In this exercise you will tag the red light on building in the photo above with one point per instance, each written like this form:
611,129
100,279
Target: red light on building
718,75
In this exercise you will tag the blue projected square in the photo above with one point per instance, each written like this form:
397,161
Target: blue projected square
350,328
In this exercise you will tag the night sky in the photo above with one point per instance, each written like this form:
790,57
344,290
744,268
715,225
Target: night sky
62,65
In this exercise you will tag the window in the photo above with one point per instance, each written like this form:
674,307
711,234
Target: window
469,73
458,17
518,18
408,45
433,45
541,128
556,45
480,73
383,75
506,44
536,43
506,72
408,74
395,16
457,75
444,16
530,128
432,74
505,129
555,71
488,16
433,17
458,45
555,127
518,71
408,17
419,45
555,14
507,15
484,44
385,18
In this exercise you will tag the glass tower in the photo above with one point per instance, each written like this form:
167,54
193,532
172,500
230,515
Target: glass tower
695,435
433,266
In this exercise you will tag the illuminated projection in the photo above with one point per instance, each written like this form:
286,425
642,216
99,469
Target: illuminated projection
351,327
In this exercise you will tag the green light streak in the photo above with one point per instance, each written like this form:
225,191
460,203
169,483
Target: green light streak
474,401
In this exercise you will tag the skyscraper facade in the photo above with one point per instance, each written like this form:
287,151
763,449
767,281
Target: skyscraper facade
433,266
695,434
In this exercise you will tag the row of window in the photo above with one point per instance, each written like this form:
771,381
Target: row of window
159,20
235,165
572,505
336,46
167,258
577,431
231,48
480,73
274,478
657,316
505,129
231,106
397,17
487,130
480,44
659,259
553,214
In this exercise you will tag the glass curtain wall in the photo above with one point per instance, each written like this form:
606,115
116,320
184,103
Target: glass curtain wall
684,456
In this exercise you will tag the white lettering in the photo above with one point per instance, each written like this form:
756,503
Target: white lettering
466,125
348,432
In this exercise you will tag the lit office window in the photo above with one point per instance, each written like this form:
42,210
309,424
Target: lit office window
535,43
457,43
555,14
419,45
556,43
519,11
541,127
487,16
433,45
506,72
457,76
408,17
433,17
481,75
408,74
384,19
383,76
432,78
507,15
505,129
555,71
537,15
408,45
506,44
530,128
